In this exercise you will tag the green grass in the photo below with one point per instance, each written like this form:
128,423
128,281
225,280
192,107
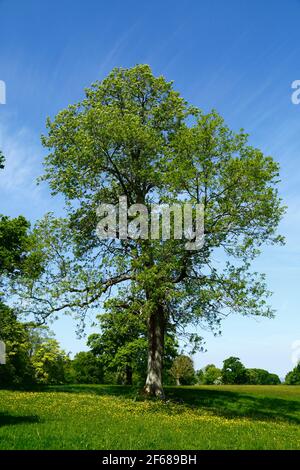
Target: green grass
110,417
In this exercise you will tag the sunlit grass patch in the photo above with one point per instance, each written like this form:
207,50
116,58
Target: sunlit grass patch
107,417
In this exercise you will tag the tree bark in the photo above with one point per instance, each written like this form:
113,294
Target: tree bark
128,376
177,381
156,332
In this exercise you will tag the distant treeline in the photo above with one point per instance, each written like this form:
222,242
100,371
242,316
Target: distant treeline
117,355
234,372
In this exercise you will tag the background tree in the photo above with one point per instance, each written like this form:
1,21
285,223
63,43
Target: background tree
233,372
50,363
87,369
273,379
134,136
212,375
293,377
32,356
18,369
122,345
183,370
261,377
15,259
199,376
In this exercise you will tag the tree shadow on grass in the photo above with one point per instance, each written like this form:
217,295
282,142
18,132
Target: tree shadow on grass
125,391
229,404
232,404
7,419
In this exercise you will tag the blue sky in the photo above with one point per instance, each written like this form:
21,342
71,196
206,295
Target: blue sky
239,57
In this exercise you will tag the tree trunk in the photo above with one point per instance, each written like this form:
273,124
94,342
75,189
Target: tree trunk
177,381
156,327
128,375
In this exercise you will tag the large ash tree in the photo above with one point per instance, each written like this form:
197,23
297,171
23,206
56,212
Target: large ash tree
134,136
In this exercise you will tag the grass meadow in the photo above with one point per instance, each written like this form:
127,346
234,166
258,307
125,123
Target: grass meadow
116,417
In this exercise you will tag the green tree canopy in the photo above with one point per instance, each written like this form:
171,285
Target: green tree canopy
234,372
18,370
87,368
293,377
122,345
261,377
212,375
50,362
183,370
199,376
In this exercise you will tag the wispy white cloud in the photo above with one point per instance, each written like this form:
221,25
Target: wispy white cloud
19,192
22,160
